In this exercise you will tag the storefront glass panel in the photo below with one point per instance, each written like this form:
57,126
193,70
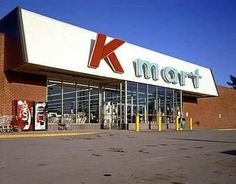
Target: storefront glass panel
142,102
94,104
169,111
161,102
82,104
131,101
69,102
54,101
79,103
152,104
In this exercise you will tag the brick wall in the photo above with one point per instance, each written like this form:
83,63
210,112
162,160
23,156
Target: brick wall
214,112
16,85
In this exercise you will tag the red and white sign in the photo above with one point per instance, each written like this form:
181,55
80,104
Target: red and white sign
24,114
106,52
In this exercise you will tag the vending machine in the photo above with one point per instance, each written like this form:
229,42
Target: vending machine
40,116
23,112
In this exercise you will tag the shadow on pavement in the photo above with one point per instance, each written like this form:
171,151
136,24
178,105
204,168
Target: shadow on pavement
230,152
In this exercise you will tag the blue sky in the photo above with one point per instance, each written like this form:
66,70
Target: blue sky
199,31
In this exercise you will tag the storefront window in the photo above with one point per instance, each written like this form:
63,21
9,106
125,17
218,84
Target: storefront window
131,101
169,118
177,102
82,104
69,102
79,103
161,102
142,102
94,104
54,101
72,103
152,104
112,95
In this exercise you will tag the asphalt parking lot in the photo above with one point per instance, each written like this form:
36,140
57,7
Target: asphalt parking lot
203,156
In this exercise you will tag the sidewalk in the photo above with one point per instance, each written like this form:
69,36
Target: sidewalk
58,133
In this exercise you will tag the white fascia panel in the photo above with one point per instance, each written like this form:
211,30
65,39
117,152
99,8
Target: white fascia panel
56,44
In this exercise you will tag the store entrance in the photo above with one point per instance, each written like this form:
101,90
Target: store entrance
112,111
142,113
112,115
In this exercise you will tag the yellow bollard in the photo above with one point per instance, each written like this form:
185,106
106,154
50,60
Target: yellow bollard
137,128
177,124
159,119
191,124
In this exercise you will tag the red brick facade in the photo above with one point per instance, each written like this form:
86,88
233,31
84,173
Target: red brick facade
15,85
214,112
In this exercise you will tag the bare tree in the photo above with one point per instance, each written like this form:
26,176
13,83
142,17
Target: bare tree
233,81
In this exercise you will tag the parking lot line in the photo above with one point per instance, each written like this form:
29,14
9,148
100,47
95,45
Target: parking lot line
13,136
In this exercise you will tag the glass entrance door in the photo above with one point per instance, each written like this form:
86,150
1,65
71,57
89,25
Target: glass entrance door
142,113
113,107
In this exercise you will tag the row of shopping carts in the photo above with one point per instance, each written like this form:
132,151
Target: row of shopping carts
6,128
5,125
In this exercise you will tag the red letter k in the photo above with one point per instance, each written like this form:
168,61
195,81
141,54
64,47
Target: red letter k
106,52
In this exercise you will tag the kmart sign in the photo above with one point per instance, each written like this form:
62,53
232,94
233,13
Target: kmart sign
170,75
149,70
89,54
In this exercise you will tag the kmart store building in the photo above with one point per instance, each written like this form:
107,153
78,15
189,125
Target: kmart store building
89,79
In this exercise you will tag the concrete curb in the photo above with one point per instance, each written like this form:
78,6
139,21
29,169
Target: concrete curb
227,129
16,136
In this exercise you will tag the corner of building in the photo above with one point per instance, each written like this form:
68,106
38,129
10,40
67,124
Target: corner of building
214,112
